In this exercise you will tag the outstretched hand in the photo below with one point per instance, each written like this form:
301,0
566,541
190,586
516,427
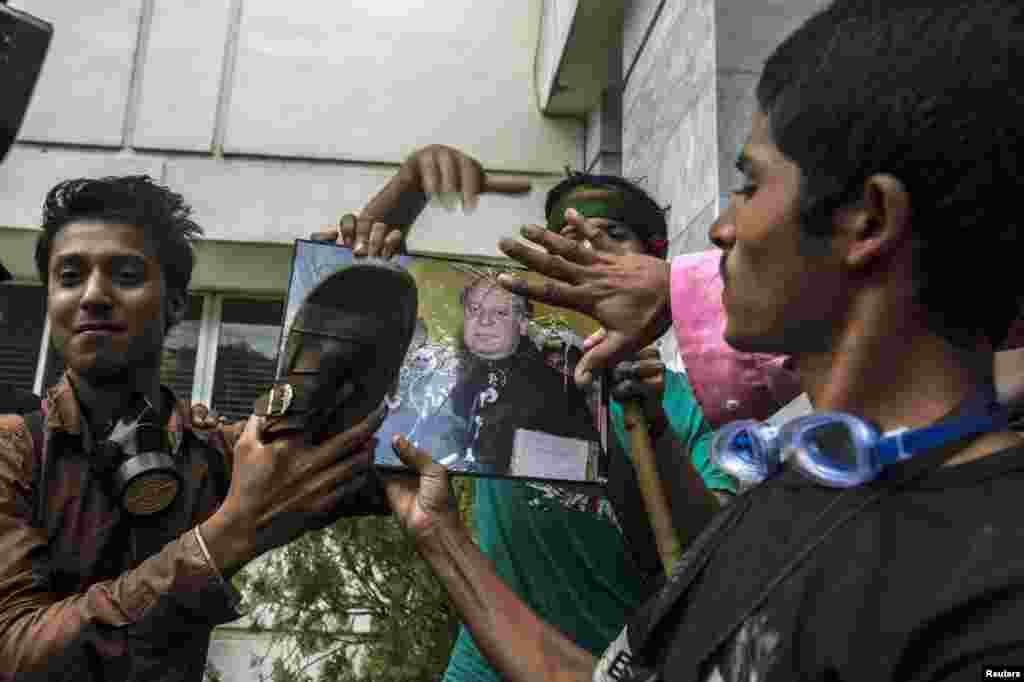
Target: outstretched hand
436,172
598,238
628,294
447,174
423,503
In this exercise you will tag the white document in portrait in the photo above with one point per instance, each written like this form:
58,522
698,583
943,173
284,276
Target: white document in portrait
540,455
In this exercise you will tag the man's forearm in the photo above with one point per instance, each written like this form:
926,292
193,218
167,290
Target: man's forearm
230,546
691,502
170,595
520,645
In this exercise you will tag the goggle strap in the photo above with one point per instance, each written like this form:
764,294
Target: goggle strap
905,443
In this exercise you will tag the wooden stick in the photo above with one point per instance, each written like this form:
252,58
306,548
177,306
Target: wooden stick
508,184
650,485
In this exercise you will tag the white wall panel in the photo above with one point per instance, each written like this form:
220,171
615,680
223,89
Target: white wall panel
29,173
182,74
372,80
556,23
270,201
749,32
278,202
82,94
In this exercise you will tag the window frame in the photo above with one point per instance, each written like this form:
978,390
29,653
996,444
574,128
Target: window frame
212,327
44,338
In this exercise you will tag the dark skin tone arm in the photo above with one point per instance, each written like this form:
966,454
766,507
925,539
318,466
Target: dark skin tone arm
521,646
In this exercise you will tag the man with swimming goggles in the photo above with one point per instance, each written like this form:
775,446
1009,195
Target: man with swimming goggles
870,242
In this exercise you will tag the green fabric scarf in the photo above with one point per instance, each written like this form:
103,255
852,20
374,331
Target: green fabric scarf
592,202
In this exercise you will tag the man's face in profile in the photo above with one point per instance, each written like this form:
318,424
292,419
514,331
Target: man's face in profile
494,321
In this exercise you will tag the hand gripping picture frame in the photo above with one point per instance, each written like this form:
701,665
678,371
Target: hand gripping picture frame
487,382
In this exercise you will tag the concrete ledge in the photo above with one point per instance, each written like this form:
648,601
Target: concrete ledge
278,202
587,55
372,82
641,15
29,172
224,267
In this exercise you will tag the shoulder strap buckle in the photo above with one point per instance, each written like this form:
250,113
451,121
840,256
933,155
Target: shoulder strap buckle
279,400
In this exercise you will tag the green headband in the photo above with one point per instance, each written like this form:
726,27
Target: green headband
591,201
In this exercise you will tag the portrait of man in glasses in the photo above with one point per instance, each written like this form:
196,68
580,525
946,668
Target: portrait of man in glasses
505,384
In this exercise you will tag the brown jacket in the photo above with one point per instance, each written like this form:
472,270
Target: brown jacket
90,593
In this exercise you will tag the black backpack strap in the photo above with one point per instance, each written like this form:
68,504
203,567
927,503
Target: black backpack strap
34,424
215,463
218,470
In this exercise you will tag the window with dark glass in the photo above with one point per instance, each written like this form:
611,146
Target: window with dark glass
246,354
178,364
22,318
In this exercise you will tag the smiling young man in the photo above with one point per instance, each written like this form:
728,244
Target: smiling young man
870,243
107,352
96,581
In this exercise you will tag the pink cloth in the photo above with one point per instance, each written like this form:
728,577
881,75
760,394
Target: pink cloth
1015,337
728,384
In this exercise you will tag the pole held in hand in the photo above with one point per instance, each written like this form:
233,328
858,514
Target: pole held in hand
653,493
508,184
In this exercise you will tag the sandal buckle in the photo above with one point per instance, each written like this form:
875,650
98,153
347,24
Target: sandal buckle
281,397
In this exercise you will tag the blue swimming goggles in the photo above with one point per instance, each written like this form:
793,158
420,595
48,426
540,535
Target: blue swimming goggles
839,450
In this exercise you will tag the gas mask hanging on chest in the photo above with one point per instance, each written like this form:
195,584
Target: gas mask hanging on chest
137,465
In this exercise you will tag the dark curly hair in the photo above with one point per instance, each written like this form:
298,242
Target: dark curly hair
930,93
132,200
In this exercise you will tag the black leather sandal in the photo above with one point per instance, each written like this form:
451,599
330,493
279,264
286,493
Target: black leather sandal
342,356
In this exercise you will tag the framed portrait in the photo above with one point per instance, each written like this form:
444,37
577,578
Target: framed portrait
487,383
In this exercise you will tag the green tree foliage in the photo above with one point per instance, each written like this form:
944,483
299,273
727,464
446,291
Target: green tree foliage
310,594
